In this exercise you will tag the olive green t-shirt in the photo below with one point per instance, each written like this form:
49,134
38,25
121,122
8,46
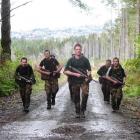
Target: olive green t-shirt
82,64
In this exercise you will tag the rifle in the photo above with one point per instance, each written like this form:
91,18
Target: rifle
87,78
117,81
47,77
113,78
32,80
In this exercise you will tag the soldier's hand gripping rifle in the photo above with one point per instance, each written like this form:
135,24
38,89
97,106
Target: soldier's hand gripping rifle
31,80
23,78
88,79
115,81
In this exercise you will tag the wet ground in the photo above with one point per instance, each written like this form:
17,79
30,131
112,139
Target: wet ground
60,123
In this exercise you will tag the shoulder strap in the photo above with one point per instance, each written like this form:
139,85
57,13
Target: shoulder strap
107,73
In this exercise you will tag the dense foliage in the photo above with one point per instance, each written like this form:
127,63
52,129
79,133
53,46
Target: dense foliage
7,82
133,77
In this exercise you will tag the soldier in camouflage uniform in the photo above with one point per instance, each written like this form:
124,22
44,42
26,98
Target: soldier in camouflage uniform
78,82
103,71
24,77
116,76
50,68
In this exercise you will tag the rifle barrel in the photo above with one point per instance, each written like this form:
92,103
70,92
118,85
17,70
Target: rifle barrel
27,80
78,71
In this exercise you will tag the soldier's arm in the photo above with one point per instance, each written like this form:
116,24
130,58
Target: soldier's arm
67,70
41,70
100,71
110,79
70,73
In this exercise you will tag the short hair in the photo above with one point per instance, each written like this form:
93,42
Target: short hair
47,51
77,44
108,60
116,58
23,58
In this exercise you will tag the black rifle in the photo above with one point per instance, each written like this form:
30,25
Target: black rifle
118,81
23,78
31,80
48,77
121,83
87,78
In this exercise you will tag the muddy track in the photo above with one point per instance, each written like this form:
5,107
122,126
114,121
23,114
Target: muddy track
60,123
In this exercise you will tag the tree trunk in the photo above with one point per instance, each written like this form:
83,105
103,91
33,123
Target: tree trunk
137,51
124,35
138,18
5,31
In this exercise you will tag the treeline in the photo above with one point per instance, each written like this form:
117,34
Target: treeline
124,36
120,38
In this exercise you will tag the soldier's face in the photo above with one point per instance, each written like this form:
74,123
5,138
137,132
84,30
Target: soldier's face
78,50
47,54
24,62
115,62
108,63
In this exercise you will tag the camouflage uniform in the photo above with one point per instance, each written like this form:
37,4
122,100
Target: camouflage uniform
77,83
116,97
25,93
25,87
51,88
51,83
116,90
76,91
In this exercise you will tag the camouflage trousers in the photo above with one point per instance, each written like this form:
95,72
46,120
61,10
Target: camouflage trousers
25,93
116,97
80,105
51,88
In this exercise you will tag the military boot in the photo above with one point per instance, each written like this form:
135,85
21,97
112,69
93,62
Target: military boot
49,101
77,107
26,110
82,114
84,105
48,106
53,101
53,98
84,102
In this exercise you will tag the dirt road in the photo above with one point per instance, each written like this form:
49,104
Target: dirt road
60,123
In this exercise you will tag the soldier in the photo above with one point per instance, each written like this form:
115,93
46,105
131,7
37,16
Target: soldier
78,81
103,71
50,70
116,76
24,77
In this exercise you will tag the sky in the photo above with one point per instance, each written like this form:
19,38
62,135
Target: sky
57,14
